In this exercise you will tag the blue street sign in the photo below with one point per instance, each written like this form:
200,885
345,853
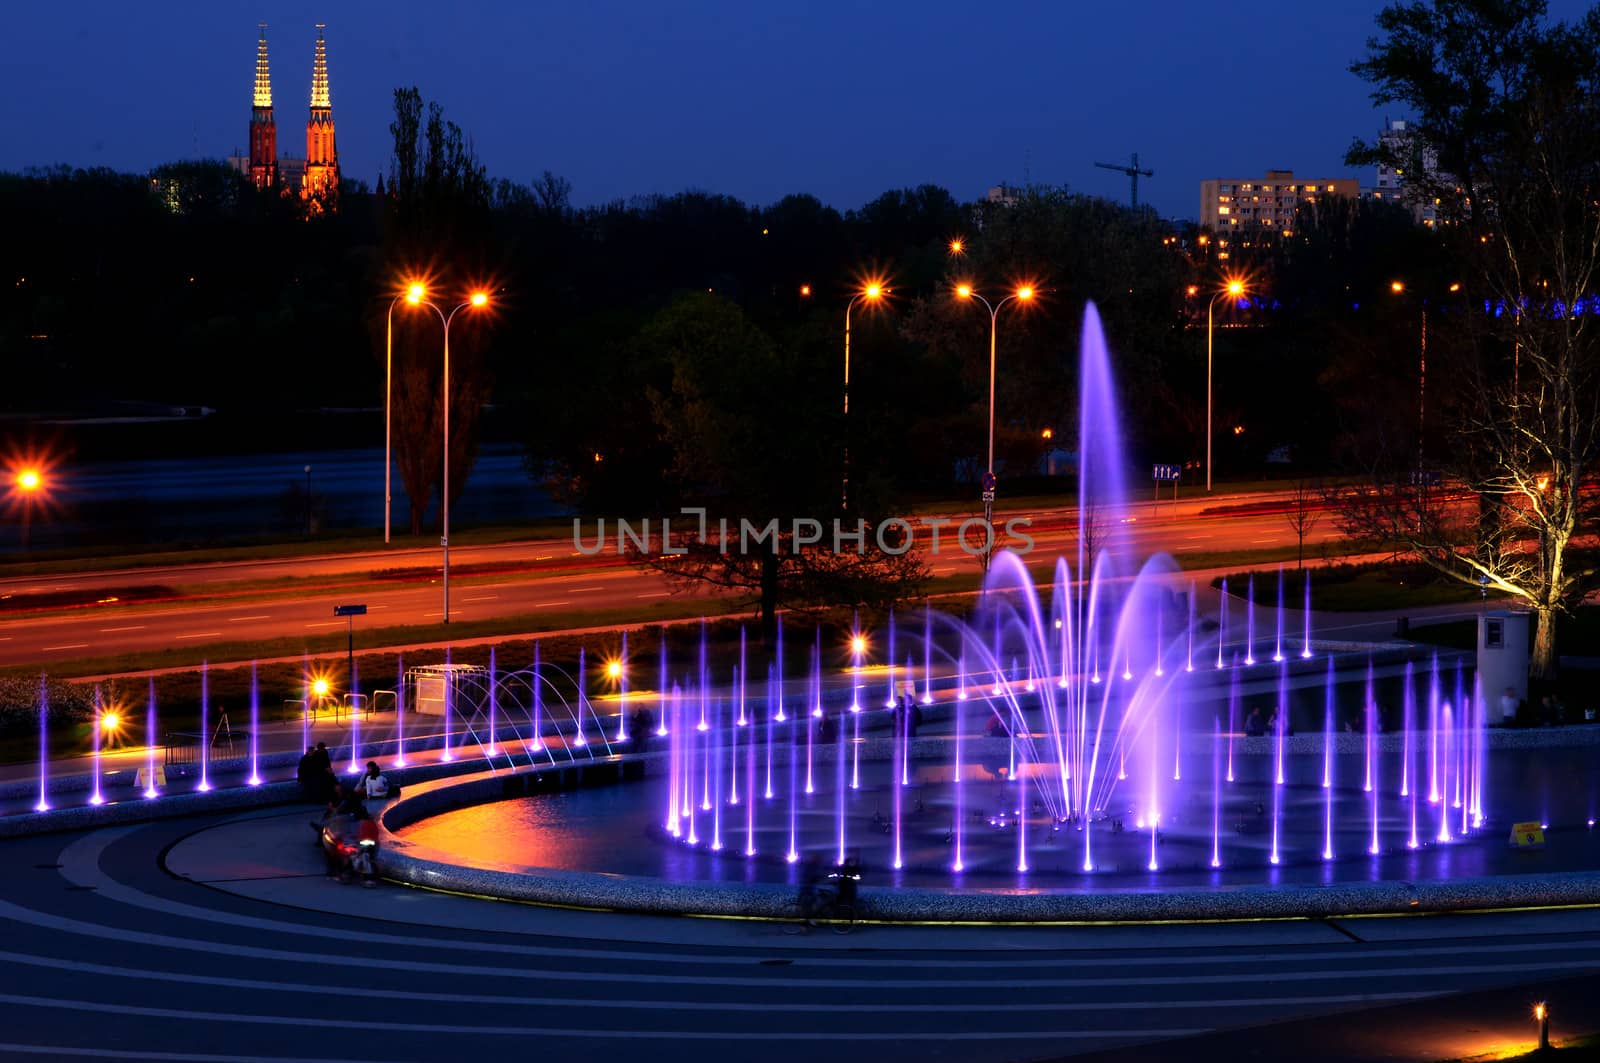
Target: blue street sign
349,610
988,481
1166,472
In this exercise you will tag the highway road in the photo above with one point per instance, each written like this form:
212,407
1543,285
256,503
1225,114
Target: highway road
219,938
547,577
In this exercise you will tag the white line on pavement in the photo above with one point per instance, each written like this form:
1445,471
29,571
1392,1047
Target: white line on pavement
74,646
542,605
654,594
135,627
483,598
241,619
199,635
326,623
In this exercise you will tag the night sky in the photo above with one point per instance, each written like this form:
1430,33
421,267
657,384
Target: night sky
753,99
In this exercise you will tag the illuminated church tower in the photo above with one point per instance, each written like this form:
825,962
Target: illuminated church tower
263,130
322,158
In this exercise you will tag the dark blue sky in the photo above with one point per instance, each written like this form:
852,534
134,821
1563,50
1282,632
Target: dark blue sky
755,99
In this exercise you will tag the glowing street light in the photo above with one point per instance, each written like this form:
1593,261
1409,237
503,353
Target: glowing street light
1023,294
858,646
1542,1013
319,687
1233,289
28,488
872,291
958,246
613,670
110,722
477,300
1398,287
414,293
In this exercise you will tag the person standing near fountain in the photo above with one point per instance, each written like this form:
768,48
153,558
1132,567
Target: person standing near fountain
640,724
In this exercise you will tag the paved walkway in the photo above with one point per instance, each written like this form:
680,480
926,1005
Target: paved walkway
219,938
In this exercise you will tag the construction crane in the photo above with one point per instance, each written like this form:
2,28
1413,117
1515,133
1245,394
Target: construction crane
1133,172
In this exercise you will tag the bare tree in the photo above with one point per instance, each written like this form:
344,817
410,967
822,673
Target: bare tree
1508,146
1304,515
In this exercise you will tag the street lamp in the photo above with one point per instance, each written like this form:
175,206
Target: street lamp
1234,289
413,295
28,482
1399,288
476,300
872,292
1023,294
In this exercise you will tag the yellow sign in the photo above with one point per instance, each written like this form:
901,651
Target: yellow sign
1527,835
150,777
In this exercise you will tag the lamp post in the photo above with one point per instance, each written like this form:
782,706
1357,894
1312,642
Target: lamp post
28,483
871,293
1234,289
1399,288
1023,294
476,299
412,295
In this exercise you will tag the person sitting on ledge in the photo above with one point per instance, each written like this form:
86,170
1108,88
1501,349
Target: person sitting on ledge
1254,726
374,784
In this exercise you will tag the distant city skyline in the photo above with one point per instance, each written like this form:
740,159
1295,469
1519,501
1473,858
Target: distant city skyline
626,98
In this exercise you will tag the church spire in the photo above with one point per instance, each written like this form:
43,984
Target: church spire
263,94
319,72
321,182
263,130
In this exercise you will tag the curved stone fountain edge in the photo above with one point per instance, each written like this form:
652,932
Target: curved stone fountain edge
405,862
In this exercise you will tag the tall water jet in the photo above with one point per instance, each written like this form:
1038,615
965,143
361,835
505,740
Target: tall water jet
750,794
1369,720
1216,793
1222,628
771,684
494,706
95,797
1444,806
794,796
1433,732
622,690
1233,717
1373,794
661,685
255,728
1305,647
1250,621
44,746
205,731
839,789
674,765
352,702
739,679
583,683
536,680
447,706
1327,764
714,757
955,830
400,707
1277,651
898,749
733,771
150,733
1282,722
1188,653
